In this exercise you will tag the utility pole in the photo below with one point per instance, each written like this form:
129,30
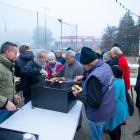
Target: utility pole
76,34
37,30
60,20
61,34
45,26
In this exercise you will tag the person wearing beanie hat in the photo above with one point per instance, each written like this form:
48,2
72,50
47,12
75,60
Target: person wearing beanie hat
113,125
116,44
98,92
117,71
52,65
50,54
87,56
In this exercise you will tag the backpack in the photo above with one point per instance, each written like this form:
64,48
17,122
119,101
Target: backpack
129,103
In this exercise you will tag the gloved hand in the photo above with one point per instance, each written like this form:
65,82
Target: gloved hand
44,73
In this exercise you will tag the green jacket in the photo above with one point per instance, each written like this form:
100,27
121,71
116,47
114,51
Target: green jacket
7,83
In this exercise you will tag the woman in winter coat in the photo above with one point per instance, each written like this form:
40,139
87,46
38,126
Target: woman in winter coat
52,65
110,58
137,89
113,125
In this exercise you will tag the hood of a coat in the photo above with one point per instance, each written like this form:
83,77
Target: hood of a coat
26,56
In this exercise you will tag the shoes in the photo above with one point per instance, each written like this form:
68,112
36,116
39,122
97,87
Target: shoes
136,134
78,127
105,131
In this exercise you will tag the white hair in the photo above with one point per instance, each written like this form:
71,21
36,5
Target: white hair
78,50
70,52
116,50
39,52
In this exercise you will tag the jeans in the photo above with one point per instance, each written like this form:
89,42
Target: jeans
96,129
5,114
26,101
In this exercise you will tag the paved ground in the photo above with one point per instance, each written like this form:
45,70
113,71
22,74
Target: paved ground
132,123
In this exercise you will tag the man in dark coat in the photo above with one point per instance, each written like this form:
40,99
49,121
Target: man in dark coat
25,56
137,89
59,57
34,72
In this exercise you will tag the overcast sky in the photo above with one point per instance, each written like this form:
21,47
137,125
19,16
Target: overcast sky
92,16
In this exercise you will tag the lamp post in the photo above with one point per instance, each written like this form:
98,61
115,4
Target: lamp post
60,20
139,31
45,25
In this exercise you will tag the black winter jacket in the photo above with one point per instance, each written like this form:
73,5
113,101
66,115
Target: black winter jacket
21,61
113,62
137,89
31,73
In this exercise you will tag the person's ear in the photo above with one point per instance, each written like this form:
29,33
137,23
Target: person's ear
38,57
7,52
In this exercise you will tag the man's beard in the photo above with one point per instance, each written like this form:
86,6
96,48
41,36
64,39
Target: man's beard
12,61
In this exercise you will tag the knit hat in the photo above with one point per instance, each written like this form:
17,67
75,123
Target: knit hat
87,56
50,54
107,57
116,44
117,71
69,48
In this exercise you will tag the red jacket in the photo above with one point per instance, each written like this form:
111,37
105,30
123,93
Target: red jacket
126,76
48,69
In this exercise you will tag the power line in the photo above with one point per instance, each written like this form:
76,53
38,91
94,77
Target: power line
71,35
17,19
127,9
16,7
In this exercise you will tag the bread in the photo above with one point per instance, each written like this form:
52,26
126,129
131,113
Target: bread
57,79
80,89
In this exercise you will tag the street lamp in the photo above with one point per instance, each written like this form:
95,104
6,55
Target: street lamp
60,20
45,25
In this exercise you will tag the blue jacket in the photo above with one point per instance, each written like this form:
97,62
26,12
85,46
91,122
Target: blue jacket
61,59
121,106
77,57
107,108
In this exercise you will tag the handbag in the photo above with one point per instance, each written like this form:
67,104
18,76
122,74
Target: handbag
129,103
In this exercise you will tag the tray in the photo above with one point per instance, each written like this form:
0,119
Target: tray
9,134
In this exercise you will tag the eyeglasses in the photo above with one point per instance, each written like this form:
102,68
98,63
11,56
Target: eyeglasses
67,58
44,57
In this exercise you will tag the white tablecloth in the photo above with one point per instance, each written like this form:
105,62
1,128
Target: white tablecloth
133,66
49,125
133,82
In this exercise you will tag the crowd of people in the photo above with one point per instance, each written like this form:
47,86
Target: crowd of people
104,77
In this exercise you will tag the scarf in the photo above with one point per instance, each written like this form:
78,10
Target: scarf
39,63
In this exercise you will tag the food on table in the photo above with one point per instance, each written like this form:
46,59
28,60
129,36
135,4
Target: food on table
57,79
